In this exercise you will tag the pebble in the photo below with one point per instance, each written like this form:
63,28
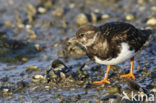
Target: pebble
24,59
153,8
38,47
47,87
32,67
47,3
38,77
32,34
72,5
105,16
58,12
31,12
81,19
42,10
151,21
153,74
129,17
154,90
5,90
93,17
133,85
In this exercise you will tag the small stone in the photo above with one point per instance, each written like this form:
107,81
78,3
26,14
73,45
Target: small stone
38,47
153,8
31,12
62,75
24,59
154,90
151,21
108,97
32,34
113,90
47,3
72,5
58,12
81,19
42,10
94,17
133,85
105,16
129,17
22,84
5,90
8,24
38,77
47,87
32,67
153,74
28,26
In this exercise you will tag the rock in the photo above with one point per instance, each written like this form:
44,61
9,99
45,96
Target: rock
105,16
6,90
32,67
47,3
93,17
153,74
154,90
110,98
31,12
42,10
153,8
38,47
24,59
81,19
47,87
58,66
151,21
32,34
57,71
133,85
58,12
38,79
129,17
113,90
21,85
72,5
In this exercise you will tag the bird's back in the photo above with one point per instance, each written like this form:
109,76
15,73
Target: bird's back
118,32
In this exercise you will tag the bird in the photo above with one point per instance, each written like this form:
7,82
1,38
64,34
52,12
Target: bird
111,43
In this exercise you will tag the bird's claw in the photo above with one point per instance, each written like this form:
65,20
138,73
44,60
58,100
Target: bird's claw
105,80
129,76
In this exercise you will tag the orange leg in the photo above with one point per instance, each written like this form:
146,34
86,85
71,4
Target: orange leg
130,74
105,79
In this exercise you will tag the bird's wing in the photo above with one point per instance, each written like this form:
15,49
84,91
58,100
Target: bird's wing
117,32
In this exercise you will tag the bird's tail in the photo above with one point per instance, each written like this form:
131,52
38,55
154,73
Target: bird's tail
147,33
148,36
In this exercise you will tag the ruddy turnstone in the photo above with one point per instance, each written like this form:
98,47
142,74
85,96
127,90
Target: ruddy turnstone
111,44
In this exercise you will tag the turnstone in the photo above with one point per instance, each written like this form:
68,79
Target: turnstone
111,44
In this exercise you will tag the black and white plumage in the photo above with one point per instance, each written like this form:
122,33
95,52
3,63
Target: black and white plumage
111,43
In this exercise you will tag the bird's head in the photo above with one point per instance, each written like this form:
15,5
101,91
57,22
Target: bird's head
86,35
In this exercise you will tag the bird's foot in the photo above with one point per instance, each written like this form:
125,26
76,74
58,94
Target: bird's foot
105,80
129,76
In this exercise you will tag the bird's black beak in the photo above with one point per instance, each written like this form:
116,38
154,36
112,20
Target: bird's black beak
72,40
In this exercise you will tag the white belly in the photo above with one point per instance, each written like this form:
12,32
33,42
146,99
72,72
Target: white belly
124,55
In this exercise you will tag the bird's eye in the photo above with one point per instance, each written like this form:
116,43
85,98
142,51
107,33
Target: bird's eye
81,35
